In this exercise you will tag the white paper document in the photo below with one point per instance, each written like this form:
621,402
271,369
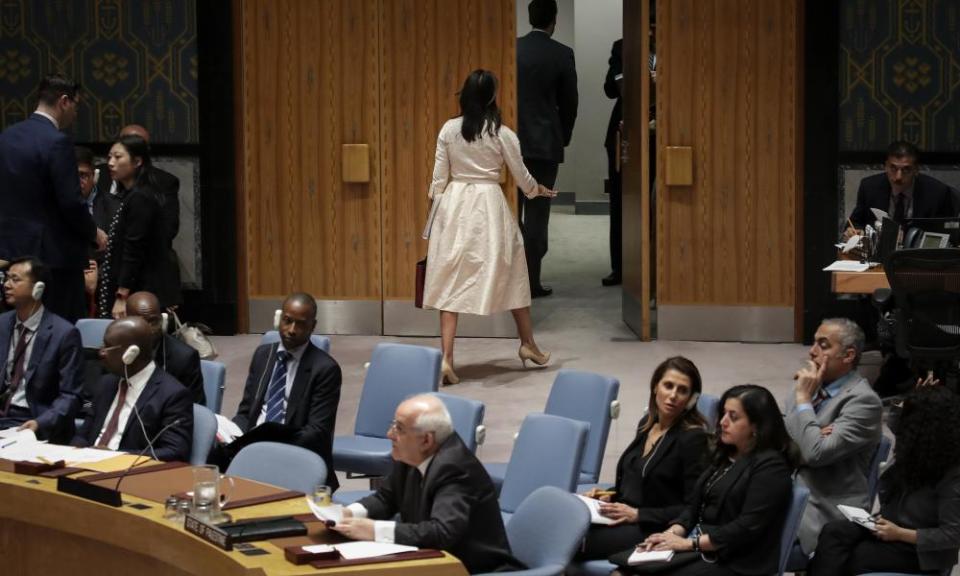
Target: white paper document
319,548
333,512
593,506
847,266
858,515
431,216
23,446
639,557
879,214
355,550
20,435
227,429
850,244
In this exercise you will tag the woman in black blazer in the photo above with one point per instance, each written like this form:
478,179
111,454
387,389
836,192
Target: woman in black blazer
137,246
658,471
919,526
734,523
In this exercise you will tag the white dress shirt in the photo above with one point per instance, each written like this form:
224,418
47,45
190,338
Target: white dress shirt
137,383
32,324
48,117
383,530
293,362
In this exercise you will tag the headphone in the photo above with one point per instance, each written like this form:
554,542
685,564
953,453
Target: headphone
130,355
692,402
277,314
38,289
165,320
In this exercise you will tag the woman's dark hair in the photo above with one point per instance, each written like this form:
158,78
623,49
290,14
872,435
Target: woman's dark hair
478,105
137,147
763,412
691,418
928,437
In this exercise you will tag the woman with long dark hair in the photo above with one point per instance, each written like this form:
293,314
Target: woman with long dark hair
918,529
475,259
136,248
658,472
734,522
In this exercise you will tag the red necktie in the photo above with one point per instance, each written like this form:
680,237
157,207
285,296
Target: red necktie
19,366
115,417
819,399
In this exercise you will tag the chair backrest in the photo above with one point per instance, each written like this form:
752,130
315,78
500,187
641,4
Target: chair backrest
547,452
92,331
709,407
547,529
204,433
926,286
467,416
318,340
585,396
396,372
214,381
879,457
284,465
791,526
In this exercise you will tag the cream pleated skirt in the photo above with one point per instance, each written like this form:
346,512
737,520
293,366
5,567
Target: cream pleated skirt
475,259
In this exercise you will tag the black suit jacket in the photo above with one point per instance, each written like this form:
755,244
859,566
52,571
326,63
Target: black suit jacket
41,210
612,90
162,401
746,527
546,96
455,508
183,363
311,407
53,375
667,483
931,199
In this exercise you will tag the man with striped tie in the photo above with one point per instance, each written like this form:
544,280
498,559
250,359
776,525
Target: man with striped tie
293,388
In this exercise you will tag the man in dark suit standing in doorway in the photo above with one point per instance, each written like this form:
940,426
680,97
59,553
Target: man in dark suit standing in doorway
547,110
41,210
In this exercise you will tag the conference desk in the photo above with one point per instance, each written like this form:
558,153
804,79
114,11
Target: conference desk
859,282
43,531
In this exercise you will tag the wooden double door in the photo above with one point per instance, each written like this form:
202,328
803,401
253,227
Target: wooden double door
340,103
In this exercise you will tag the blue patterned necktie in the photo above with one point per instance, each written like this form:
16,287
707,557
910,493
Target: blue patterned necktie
819,400
277,388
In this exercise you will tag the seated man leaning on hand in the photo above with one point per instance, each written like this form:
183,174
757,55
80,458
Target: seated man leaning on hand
445,498
835,418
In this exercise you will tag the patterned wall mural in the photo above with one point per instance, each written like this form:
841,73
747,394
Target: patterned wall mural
135,59
899,74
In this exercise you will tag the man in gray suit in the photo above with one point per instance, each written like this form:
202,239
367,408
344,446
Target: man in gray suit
546,112
834,416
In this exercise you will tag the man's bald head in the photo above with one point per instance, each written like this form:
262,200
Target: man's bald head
147,306
121,335
135,130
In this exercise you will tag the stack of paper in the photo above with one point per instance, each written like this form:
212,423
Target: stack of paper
332,513
356,550
594,507
857,515
847,266
639,557
227,430
23,446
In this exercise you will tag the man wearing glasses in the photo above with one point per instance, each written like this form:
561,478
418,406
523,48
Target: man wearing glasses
901,191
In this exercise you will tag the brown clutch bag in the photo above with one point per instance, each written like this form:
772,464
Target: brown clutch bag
421,277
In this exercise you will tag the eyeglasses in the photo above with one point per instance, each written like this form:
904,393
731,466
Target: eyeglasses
400,428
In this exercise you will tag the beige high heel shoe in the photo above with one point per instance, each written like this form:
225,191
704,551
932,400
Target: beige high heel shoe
536,356
448,375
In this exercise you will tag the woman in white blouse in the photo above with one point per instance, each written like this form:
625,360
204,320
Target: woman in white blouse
475,260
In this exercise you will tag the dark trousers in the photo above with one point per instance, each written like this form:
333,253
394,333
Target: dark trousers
535,217
65,295
616,211
846,548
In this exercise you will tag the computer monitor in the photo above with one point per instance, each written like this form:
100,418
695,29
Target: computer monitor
946,226
889,233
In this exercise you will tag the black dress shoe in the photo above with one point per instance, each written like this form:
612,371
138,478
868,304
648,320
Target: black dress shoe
541,291
612,280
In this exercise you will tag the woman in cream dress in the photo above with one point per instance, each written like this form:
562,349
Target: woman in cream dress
475,259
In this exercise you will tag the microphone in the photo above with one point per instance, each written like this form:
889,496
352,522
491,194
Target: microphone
149,445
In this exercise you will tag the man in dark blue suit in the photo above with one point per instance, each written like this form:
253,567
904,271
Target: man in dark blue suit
137,403
546,111
40,358
41,210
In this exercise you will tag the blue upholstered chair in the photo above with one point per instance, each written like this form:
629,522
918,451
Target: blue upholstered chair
92,331
396,372
584,396
546,531
548,452
791,527
214,381
709,406
320,341
204,434
284,465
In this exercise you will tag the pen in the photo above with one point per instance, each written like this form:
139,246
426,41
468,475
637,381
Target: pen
10,443
605,492
850,224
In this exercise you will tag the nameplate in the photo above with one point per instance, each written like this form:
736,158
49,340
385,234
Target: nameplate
211,534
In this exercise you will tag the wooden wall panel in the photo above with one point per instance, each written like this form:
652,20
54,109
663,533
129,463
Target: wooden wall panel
309,84
429,47
727,87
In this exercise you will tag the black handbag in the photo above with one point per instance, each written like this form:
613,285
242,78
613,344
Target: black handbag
679,559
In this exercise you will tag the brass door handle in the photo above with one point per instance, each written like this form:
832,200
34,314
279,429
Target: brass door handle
355,163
